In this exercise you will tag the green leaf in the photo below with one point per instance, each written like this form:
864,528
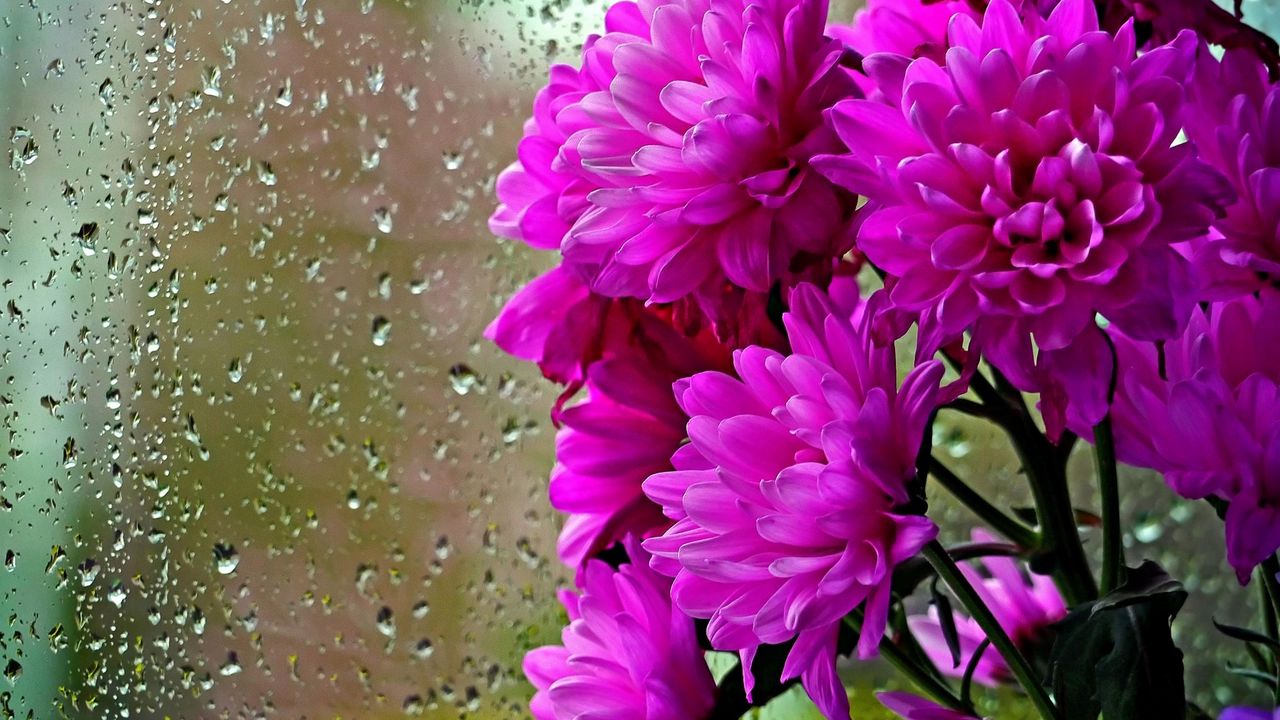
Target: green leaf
947,621
1247,635
1256,675
966,684
1115,656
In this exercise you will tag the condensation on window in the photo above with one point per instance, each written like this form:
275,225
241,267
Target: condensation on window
256,459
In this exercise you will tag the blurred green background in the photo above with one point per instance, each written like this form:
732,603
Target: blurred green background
255,459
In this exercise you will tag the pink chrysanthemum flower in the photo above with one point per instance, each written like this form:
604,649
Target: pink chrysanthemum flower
912,28
627,654
913,707
545,191
556,322
1025,605
1235,120
678,155
1029,183
787,496
624,430
1207,416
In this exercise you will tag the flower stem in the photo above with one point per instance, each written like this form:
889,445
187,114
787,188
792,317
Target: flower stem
1046,470
1045,466
1108,482
1270,572
950,573
1000,522
924,680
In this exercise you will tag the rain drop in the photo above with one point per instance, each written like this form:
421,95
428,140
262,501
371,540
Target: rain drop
225,558
381,330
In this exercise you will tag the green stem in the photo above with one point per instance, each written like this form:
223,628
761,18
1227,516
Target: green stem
978,610
1108,482
924,680
1271,608
1054,510
1045,467
1000,522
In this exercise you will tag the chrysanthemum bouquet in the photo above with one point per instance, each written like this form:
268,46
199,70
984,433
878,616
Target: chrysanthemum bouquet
1072,211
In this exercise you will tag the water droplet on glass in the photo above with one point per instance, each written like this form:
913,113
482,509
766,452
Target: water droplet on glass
463,378
452,160
266,175
284,97
423,649
28,154
231,666
386,621
381,331
106,92
377,76
420,609
382,218
225,558
87,236
211,81
89,572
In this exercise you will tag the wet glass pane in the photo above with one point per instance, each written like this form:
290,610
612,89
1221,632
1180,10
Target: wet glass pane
258,460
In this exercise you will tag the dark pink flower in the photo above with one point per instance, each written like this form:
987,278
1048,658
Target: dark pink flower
1025,605
913,707
545,191
1207,416
558,323
1235,120
913,28
553,321
678,155
627,654
624,430
787,498
1029,183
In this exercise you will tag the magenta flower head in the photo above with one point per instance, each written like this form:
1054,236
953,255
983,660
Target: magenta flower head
1235,120
627,654
913,707
624,430
788,496
912,28
678,156
1029,182
544,192
1207,416
558,323
553,321
1025,605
